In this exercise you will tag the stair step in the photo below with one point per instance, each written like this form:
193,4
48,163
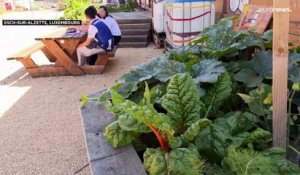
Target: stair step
135,32
136,26
133,21
132,44
135,38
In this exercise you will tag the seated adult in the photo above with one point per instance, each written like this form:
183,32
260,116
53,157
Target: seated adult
99,37
111,23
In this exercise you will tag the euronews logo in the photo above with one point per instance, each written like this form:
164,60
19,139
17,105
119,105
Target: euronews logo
276,10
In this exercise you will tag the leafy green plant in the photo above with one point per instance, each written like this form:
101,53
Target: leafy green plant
245,161
253,72
159,68
234,128
219,40
189,104
259,101
75,9
175,131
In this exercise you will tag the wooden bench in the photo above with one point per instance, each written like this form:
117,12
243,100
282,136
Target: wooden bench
103,57
24,56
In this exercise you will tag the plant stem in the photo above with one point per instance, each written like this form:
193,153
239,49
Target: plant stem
290,103
209,108
162,142
294,149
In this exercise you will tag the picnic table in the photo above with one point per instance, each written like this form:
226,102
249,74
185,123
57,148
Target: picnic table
60,49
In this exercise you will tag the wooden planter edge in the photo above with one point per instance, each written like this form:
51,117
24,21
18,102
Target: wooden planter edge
103,158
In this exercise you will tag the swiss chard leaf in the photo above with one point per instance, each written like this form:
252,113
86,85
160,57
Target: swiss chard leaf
180,161
157,92
118,137
155,162
148,115
231,129
237,122
182,102
217,94
129,123
207,71
185,161
211,142
190,134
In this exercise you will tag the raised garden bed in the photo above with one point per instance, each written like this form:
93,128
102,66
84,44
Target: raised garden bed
103,158
204,109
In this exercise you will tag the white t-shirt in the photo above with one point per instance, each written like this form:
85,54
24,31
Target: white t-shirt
112,25
92,30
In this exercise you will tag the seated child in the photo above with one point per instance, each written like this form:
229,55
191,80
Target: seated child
99,37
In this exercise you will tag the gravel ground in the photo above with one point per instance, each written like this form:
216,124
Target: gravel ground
41,132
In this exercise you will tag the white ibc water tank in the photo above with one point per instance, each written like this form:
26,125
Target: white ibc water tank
159,16
186,19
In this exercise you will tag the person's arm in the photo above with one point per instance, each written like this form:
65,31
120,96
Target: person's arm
91,35
115,26
87,42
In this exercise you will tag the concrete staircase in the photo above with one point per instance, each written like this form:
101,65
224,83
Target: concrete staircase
135,32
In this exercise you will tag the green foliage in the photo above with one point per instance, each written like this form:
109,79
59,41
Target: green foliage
217,94
245,161
253,72
182,102
84,100
176,129
220,40
192,104
157,92
216,170
185,161
234,128
159,68
155,162
207,71
129,123
190,134
180,161
75,9
118,137
189,55
259,103
128,7
256,137
255,100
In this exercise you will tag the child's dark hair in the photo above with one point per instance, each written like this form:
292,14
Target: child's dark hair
105,9
90,12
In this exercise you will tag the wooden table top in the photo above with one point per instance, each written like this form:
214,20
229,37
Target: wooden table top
61,34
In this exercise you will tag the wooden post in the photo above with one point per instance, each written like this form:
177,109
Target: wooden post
280,72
